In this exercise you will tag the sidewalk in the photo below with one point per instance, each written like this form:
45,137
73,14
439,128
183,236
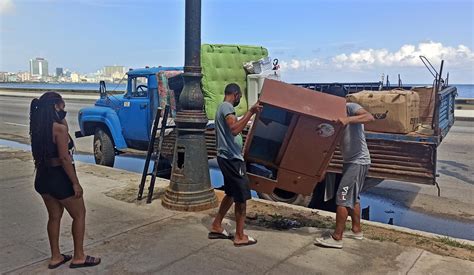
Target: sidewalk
147,238
466,115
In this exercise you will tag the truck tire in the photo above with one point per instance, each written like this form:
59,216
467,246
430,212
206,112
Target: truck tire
280,195
104,151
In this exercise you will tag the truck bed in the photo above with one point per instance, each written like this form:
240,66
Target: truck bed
405,157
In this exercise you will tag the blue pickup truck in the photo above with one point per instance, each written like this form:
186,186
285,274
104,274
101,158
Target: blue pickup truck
120,123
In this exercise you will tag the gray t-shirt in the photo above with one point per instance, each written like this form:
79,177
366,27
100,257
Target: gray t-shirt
353,146
228,145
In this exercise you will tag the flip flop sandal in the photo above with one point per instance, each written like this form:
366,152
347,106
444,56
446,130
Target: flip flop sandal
90,261
66,258
251,241
223,235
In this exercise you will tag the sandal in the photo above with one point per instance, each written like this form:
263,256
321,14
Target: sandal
90,261
66,258
223,235
251,241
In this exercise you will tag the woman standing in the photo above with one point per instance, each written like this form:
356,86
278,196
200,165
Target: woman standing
56,180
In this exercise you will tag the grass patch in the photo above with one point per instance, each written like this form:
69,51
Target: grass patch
448,241
279,222
284,218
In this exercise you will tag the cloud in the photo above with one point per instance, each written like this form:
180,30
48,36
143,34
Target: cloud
6,6
407,55
299,64
367,64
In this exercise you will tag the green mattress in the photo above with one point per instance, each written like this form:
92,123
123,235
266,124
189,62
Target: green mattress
221,65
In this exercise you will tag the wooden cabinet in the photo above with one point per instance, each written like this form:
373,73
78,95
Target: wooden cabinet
293,138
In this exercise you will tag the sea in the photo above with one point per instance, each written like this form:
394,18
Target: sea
464,90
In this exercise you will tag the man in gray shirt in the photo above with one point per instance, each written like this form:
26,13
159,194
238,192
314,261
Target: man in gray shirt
231,163
356,162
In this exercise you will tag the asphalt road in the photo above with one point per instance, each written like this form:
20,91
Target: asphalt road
14,120
455,161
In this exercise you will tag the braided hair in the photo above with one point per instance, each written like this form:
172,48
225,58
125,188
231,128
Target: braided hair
42,116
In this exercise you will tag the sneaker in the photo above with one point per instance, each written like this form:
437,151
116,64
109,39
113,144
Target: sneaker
328,242
353,235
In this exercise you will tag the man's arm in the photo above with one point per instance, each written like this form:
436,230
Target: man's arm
238,125
361,116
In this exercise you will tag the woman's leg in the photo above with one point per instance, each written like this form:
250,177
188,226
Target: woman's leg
55,212
76,208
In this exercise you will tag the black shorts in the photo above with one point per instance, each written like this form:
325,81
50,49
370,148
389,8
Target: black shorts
236,182
53,181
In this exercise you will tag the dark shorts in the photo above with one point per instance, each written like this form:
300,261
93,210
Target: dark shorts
53,181
353,177
236,182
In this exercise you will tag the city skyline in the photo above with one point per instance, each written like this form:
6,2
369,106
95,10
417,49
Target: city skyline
314,40
38,71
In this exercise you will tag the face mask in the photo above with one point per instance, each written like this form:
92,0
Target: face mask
236,102
61,114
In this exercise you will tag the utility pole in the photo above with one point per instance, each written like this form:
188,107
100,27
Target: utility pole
190,186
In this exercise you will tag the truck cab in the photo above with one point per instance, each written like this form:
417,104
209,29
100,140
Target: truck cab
121,122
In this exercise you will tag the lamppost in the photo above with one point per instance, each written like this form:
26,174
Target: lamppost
190,186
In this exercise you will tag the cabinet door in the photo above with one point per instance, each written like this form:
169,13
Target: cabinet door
311,146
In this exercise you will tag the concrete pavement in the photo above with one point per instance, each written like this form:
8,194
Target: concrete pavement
139,238
466,115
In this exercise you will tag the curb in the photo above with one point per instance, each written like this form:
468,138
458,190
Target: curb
463,118
376,224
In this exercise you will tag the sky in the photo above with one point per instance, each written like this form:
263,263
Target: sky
314,40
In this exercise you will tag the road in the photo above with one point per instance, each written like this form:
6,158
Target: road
455,161
14,120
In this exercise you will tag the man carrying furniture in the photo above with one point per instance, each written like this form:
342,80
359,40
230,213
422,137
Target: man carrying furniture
356,162
231,162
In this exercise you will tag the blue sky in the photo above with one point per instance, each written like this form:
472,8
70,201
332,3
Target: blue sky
314,40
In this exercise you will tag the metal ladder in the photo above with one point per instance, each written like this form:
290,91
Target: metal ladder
154,153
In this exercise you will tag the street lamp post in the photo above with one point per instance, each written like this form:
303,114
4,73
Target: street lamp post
190,186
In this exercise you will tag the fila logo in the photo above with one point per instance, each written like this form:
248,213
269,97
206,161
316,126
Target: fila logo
344,192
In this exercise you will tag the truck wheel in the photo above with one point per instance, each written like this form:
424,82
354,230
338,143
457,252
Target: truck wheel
104,152
280,195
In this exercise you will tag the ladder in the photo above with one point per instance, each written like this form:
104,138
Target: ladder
154,153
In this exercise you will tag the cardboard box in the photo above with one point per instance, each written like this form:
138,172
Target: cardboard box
395,111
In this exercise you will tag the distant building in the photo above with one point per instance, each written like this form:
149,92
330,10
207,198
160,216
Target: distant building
59,72
75,77
67,73
11,77
39,67
24,76
111,70
3,76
